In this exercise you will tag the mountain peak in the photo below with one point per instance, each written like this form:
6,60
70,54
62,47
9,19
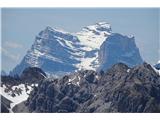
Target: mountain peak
99,27
103,24
55,29
57,51
48,28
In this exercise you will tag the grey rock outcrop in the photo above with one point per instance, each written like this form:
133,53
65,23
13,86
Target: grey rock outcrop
120,89
5,104
118,48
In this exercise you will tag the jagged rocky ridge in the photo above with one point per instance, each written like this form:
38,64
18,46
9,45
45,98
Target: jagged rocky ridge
120,89
95,47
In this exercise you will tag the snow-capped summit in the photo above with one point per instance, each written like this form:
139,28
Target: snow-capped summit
100,26
56,51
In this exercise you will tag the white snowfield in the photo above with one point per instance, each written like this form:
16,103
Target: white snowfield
18,98
92,38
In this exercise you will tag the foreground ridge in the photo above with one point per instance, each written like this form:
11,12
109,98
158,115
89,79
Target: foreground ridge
119,89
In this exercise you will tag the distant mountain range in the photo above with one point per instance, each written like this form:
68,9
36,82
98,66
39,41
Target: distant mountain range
95,47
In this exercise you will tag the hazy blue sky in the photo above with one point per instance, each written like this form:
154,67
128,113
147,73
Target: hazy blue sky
20,26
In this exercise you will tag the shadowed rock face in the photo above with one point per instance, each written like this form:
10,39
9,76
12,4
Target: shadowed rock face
120,89
32,74
57,96
134,91
118,48
5,104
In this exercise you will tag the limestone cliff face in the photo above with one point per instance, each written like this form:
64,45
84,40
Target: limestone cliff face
118,48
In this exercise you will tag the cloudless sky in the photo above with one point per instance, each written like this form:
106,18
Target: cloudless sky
20,26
